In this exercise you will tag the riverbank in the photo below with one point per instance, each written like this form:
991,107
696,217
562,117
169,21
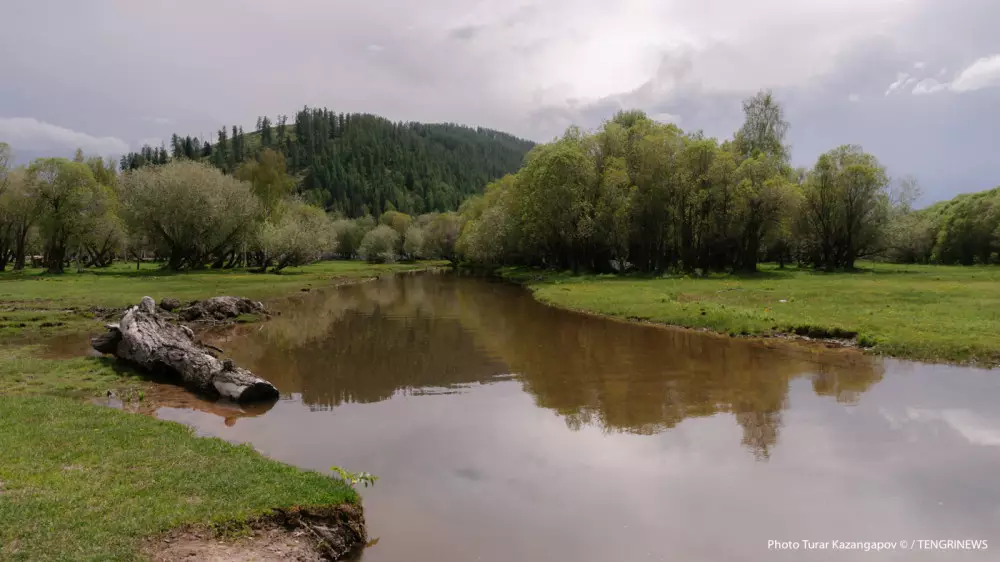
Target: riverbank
34,304
920,312
86,482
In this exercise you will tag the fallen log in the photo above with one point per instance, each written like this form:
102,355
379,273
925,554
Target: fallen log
219,309
147,339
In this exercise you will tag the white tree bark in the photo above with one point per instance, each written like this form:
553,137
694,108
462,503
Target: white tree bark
145,338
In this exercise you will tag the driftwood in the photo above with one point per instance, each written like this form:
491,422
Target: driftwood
215,308
144,337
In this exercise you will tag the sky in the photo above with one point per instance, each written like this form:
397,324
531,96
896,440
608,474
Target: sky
915,82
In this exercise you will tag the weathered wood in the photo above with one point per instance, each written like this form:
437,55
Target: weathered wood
220,309
147,339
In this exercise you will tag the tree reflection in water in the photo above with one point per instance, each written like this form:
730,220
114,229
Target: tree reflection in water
411,333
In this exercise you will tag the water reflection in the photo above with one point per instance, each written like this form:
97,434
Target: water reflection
165,395
368,342
502,429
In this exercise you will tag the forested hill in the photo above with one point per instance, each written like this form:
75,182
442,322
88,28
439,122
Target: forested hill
359,164
964,230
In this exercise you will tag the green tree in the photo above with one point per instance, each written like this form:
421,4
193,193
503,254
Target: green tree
380,245
6,157
766,196
846,206
221,153
63,190
764,128
176,146
266,132
268,176
348,234
19,209
413,243
190,212
553,206
489,233
299,235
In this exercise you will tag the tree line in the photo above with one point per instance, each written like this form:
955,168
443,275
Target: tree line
644,196
360,164
634,195
191,215
964,230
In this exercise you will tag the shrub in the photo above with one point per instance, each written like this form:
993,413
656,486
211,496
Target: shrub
413,244
301,235
379,245
349,233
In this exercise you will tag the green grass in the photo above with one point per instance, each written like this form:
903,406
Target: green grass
930,313
23,373
33,303
84,482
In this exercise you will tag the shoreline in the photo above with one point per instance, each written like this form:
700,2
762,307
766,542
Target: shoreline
537,281
190,503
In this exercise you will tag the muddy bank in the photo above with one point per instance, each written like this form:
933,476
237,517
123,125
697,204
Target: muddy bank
303,534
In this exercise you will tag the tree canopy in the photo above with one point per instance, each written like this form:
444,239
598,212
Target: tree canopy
641,195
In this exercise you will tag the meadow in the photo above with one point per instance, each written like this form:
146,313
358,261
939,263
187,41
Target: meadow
921,312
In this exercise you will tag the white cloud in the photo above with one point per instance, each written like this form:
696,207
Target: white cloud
901,79
154,142
375,48
983,73
928,86
918,65
975,428
161,120
29,133
666,118
854,98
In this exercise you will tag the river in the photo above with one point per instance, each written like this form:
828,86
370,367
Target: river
502,429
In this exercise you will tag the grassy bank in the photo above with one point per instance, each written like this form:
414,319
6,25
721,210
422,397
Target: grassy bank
33,303
85,482
930,313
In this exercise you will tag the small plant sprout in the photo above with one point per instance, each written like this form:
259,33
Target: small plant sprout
353,478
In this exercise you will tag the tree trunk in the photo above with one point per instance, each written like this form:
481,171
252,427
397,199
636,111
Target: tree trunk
145,338
55,258
19,249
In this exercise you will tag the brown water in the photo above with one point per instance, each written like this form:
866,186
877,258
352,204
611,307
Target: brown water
502,429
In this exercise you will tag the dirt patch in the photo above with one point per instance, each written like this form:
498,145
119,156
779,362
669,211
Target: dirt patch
301,534
264,546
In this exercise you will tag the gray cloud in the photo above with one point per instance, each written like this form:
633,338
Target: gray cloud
465,32
531,67
29,134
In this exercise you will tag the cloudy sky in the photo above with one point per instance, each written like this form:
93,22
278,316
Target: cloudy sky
917,82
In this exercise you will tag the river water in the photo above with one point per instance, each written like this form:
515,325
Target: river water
502,429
